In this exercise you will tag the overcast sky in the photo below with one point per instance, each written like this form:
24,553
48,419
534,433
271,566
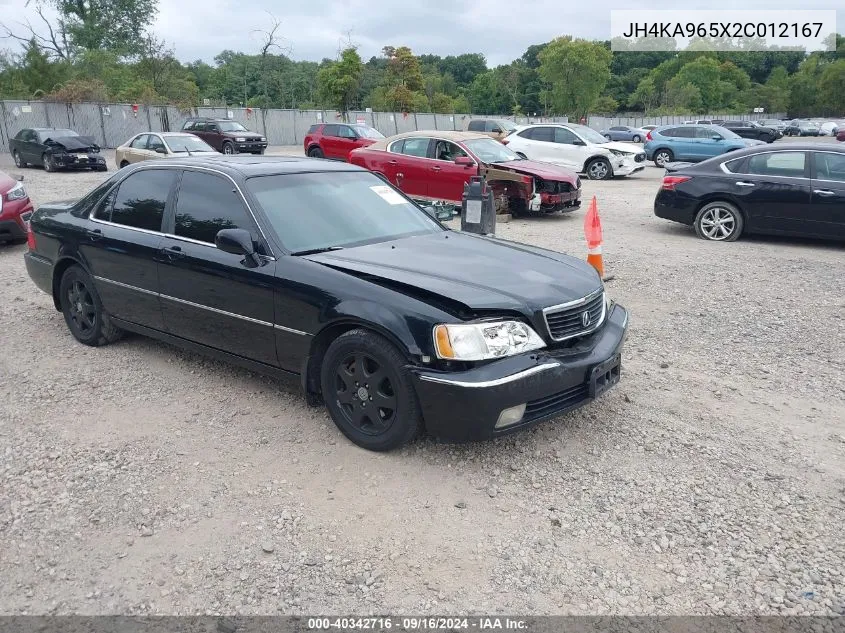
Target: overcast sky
500,29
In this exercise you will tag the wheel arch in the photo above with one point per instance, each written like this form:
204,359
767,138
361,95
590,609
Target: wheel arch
62,264
721,197
393,329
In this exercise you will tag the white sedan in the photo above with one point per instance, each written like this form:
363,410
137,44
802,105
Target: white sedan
828,128
577,147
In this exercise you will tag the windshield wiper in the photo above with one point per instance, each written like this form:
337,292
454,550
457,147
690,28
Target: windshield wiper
313,251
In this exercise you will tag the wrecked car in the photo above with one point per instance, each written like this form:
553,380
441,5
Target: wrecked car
321,271
434,166
55,149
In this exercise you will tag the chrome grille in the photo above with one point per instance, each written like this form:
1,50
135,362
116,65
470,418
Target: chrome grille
567,320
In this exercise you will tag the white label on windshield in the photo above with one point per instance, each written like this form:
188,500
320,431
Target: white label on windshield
388,195
474,211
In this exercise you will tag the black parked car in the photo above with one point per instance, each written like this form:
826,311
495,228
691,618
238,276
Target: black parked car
54,149
324,271
750,129
796,191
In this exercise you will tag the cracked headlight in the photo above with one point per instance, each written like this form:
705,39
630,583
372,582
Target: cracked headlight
485,340
16,193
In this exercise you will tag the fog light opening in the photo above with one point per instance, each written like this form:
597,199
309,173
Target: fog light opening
510,416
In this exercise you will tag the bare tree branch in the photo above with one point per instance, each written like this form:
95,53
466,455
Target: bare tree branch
270,39
55,43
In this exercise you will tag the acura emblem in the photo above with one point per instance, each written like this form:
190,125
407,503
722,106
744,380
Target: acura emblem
585,319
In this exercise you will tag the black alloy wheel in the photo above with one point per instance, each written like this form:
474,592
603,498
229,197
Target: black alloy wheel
368,391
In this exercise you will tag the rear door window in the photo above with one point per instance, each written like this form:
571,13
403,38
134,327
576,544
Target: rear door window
140,142
141,199
567,137
684,132
545,134
330,129
786,164
830,166
416,147
476,125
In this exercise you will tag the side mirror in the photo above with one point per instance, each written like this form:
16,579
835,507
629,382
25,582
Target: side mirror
466,161
160,150
716,137
237,242
579,142
496,130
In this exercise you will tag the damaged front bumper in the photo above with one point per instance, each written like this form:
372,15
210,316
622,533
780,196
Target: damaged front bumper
552,202
470,405
627,166
80,160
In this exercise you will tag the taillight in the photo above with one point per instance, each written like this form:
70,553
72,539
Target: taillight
648,136
670,182
30,238
505,141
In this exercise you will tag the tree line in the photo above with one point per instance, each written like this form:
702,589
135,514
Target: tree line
105,50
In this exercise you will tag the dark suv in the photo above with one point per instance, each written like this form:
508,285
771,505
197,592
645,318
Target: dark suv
225,135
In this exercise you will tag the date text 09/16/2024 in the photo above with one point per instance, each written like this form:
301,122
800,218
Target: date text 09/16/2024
415,623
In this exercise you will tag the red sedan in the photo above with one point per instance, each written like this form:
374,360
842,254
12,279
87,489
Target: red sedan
336,140
435,165
15,209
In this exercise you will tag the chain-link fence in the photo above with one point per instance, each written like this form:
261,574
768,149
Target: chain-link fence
112,124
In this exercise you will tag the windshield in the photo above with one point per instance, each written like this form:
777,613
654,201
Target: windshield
186,143
341,209
489,151
588,134
365,131
725,132
56,134
231,126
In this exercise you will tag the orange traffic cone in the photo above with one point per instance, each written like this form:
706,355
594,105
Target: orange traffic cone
593,234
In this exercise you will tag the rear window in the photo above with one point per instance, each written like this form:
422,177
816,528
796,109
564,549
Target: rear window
313,129
476,125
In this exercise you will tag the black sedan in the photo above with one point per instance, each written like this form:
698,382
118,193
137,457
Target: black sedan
54,149
309,268
751,129
796,190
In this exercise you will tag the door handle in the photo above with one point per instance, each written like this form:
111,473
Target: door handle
742,183
172,252
435,168
824,192
94,234
393,162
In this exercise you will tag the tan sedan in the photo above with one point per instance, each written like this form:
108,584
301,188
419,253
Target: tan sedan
149,145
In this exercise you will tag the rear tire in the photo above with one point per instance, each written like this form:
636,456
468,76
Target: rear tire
316,152
607,136
86,319
719,222
663,156
18,161
637,138
368,392
124,163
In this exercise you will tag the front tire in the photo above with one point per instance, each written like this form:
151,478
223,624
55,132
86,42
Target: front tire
637,139
663,156
47,161
607,136
599,169
719,222
86,319
228,149
368,393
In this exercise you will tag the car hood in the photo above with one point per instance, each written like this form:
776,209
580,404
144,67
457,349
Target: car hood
478,273
254,135
750,142
73,143
544,171
628,148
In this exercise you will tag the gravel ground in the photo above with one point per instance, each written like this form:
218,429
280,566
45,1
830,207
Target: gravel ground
141,479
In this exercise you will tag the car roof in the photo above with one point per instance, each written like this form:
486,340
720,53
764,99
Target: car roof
448,135
767,149
247,166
